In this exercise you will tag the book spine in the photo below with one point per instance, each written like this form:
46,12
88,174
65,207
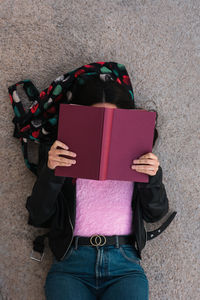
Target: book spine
105,146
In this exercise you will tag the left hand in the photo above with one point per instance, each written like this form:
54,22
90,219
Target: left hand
147,163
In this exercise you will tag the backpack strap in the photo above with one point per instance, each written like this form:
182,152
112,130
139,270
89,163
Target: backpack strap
18,107
38,246
22,117
154,233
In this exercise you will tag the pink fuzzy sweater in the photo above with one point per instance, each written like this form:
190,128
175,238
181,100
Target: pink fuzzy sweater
103,207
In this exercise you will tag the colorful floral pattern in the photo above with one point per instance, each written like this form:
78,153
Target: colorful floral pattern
39,122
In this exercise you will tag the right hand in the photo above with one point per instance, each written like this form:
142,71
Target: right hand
55,160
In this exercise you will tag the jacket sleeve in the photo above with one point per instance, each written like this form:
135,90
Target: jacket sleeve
153,198
41,204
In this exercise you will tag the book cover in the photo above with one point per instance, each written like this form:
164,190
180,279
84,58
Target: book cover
106,141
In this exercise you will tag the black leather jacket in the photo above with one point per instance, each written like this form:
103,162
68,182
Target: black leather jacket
53,204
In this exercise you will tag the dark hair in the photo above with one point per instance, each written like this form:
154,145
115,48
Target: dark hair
95,90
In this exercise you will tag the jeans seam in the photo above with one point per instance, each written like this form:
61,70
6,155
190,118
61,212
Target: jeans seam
128,258
96,267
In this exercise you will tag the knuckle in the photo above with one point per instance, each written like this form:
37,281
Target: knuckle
58,151
61,151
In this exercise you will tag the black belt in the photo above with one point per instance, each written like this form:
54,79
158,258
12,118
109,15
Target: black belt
38,243
103,240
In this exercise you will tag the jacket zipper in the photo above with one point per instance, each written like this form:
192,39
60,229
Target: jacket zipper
145,234
72,234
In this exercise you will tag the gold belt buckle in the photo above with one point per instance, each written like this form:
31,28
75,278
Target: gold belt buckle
96,237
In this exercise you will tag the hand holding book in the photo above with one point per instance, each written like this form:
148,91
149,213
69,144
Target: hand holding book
54,160
147,163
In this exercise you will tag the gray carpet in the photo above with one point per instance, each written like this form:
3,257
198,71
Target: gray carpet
159,42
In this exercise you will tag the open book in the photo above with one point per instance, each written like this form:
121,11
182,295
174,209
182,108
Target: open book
106,141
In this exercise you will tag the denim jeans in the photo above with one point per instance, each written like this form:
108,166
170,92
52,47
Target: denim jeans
97,272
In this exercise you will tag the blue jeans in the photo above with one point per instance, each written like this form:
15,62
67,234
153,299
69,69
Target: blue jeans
97,272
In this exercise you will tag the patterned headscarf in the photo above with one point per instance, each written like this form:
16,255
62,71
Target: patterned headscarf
39,123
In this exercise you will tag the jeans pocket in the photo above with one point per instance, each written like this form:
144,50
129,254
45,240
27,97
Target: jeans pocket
129,253
66,257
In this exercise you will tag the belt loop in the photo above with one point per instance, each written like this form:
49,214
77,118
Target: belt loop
117,241
76,242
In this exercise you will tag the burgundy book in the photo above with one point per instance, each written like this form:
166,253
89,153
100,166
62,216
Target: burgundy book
106,141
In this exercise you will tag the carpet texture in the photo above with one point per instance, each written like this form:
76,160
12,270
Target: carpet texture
159,43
